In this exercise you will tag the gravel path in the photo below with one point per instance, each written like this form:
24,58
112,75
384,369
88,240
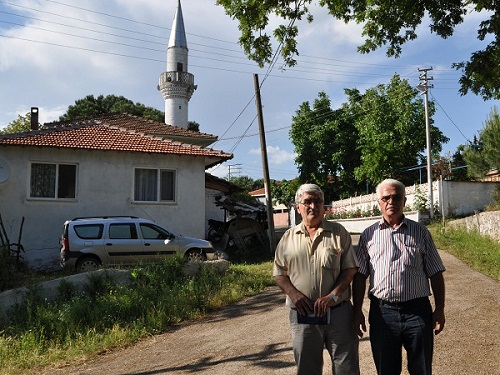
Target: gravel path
252,337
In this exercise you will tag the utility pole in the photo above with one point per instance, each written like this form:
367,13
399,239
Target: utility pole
229,170
424,86
267,180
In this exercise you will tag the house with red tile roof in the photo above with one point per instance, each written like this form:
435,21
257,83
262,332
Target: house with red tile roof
116,164
280,211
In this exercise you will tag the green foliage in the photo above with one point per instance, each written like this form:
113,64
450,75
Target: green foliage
21,124
495,201
104,315
8,269
284,192
392,131
420,202
385,22
484,153
325,143
194,126
459,166
333,213
373,136
480,252
93,107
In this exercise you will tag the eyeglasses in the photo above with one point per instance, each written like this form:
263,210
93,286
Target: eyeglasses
394,197
309,202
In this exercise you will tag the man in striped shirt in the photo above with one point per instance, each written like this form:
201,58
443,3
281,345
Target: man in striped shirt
399,257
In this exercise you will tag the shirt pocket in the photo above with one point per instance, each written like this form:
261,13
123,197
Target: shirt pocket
412,256
331,258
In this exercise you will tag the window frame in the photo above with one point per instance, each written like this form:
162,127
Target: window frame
57,180
158,188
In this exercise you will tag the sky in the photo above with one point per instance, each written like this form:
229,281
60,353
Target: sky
53,53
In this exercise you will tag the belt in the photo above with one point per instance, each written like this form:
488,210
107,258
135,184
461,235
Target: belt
396,304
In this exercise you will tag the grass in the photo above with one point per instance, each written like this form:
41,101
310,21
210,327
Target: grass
482,253
79,324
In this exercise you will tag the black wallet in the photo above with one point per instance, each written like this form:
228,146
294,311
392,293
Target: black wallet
313,319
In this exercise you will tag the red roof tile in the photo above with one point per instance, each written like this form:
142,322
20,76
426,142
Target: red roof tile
112,133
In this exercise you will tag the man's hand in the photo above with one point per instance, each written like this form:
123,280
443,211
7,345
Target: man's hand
322,305
438,320
303,304
359,323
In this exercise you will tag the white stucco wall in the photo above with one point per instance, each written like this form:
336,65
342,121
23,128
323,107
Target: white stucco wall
463,198
211,210
454,198
104,187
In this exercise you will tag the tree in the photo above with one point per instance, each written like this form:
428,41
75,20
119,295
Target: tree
92,107
483,154
373,136
21,124
385,22
459,165
325,143
194,126
392,131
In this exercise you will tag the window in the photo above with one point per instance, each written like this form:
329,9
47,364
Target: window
122,231
152,232
154,185
53,181
89,231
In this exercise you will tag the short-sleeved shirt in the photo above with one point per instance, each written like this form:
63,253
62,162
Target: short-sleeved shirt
399,261
314,266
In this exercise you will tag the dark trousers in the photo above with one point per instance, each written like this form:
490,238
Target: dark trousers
393,327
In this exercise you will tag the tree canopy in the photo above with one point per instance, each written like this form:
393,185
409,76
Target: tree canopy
91,106
375,135
483,154
325,143
19,125
385,22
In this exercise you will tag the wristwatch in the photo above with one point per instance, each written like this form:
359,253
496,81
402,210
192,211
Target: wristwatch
334,297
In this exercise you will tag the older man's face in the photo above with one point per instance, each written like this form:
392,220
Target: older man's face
391,202
311,208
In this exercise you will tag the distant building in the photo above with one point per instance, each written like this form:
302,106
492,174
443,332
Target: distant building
280,211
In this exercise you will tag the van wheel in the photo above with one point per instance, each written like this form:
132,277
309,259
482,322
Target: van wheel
196,255
87,264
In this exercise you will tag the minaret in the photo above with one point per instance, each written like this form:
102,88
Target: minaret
176,84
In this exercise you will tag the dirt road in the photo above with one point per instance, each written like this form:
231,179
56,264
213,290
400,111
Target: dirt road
252,337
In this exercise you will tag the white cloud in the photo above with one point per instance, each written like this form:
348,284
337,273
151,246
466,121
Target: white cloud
275,155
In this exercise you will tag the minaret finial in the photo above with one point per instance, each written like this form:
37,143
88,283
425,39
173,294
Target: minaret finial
176,84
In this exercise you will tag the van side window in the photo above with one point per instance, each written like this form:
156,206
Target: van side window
122,231
150,232
89,231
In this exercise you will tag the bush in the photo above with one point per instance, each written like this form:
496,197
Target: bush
495,202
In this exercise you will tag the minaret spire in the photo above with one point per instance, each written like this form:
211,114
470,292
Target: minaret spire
176,84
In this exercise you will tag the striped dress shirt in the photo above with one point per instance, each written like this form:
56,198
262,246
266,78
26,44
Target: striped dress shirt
399,261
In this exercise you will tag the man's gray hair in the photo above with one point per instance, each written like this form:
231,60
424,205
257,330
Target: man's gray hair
400,187
308,188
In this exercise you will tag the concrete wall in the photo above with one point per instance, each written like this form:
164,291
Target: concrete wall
357,225
486,223
211,210
49,290
105,183
452,198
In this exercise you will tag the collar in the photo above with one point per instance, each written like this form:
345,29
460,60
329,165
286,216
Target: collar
382,224
300,228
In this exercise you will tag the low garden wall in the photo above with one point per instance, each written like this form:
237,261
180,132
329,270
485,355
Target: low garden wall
357,225
485,223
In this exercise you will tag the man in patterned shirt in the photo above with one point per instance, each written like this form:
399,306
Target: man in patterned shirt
399,257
